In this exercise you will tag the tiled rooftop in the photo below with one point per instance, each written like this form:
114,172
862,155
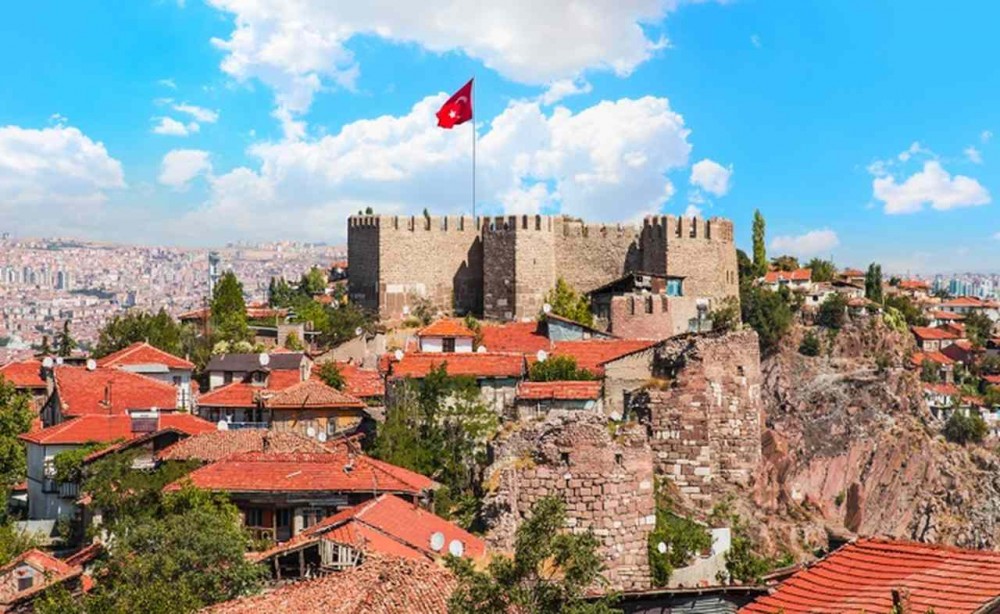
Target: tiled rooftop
141,353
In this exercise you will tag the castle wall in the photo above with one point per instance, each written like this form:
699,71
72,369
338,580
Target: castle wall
520,265
701,251
363,261
606,484
590,255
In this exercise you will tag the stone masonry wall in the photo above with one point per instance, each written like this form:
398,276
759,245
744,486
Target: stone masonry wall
607,484
590,255
706,418
701,251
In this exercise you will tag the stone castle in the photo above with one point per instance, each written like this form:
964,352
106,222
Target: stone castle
502,267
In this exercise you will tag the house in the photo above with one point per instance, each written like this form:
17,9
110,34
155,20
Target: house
799,279
282,494
30,573
314,409
276,370
861,307
853,276
215,445
945,365
879,575
537,399
818,294
647,306
360,383
49,499
446,336
934,339
384,525
144,359
941,318
382,584
961,351
26,376
78,391
915,288
966,305
496,374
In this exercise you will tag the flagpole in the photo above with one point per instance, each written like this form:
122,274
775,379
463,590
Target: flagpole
473,96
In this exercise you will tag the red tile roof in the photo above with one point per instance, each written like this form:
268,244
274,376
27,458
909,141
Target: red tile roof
84,392
283,378
23,374
852,273
476,364
311,394
520,337
773,277
992,379
236,394
559,390
944,389
214,445
380,585
51,568
926,333
966,301
447,327
918,358
861,576
914,284
107,428
291,472
141,353
593,353
360,383
947,315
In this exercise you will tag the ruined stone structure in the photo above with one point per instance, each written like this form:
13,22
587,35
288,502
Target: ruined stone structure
606,483
503,267
706,417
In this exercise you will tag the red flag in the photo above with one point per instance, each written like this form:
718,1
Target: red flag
458,109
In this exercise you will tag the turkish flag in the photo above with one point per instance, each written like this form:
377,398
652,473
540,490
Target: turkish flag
458,109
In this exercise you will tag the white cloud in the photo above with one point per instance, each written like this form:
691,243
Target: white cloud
996,235
613,152
200,114
934,186
985,136
915,149
809,244
711,177
692,210
298,48
974,155
171,127
180,166
755,40
565,87
54,178
167,83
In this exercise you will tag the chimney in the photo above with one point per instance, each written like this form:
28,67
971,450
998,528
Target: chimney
108,397
900,601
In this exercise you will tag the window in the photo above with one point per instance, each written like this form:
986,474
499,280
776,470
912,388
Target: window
254,517
312,515
283,517
618,459
227,377
448,344
564,457
177,380
674,287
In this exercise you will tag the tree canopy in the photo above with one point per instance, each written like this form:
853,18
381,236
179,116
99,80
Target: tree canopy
229,310
759,249
568,303
558,368
785,263
16,417
822,270
159,330
65,343
979,328
873,283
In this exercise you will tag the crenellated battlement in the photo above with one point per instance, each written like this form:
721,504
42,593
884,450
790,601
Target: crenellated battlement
417,223
673,228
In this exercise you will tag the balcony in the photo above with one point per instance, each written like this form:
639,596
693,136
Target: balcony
234,426
69,490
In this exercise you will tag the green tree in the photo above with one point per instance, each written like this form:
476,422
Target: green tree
680,539
810,345
744,267
313,283
759,250
965,426
873,283
726,317
911,313
979,328
822,270
331,375
785,263
930,372
229,310
558,369
44,349
548,573
280,293
159,330
65,343
293,343
768,313
16,417
833,312
14,541
743,564
567,303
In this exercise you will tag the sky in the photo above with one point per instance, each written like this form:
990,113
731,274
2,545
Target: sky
862,129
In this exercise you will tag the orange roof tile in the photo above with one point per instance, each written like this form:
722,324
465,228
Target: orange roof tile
926,333
283,378
311,394
945,389
522,337
914,284
947,315
476,364
773,277
591,354
360,383
559,390
380,585
82,391
236,394
107,428
214,445
918,358
861,576
23,374
141,353
292,472
446,327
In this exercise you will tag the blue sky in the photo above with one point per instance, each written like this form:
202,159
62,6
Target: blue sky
862,129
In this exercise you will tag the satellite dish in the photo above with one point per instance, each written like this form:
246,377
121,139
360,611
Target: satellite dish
91,364
154,409
398,355
222,425
546,308
321,437
481,349
456,548
661,548
541,355
406,310
358,331
47,362
617,417
264,359
311,432
59,360
437,541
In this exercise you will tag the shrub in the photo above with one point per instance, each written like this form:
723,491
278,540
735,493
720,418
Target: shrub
810,345
833,312
558,369
963,427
